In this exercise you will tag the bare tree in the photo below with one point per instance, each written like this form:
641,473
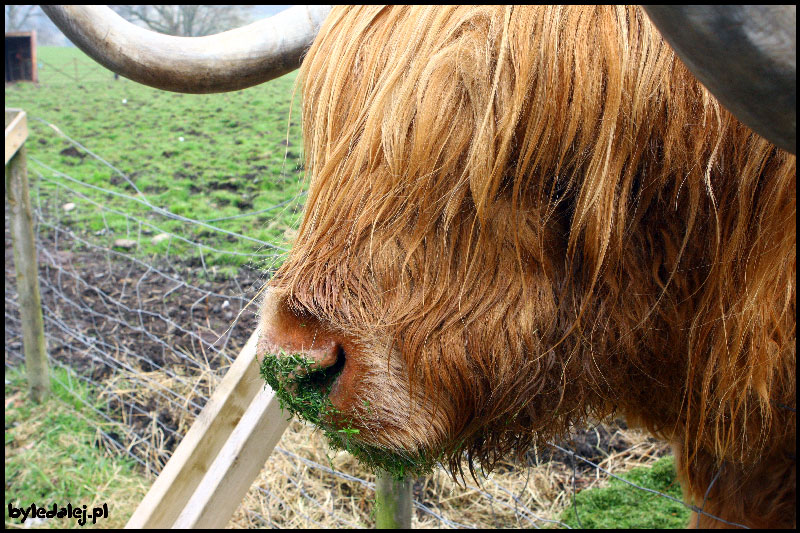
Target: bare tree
21,18
186,21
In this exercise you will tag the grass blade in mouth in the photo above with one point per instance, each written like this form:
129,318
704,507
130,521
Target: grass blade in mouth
303,388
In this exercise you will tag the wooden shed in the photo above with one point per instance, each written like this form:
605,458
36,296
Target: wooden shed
20,54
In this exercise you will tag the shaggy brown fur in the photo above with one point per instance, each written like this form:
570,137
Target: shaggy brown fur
522,217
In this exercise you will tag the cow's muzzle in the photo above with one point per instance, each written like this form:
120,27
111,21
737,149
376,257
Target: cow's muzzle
296,350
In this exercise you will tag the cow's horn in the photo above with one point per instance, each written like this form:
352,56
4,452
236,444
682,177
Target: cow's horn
746,56
226,61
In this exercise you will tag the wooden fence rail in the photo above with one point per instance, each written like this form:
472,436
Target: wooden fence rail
215,464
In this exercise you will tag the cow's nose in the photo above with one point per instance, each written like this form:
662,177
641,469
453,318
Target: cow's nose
286,332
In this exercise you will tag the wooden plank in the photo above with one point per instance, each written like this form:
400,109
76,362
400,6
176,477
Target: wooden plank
16,131
210,433
237,465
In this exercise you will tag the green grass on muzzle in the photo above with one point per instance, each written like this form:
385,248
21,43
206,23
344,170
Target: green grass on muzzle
303,388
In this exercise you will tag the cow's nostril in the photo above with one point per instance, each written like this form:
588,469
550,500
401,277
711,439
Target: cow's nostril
303,385
340,360
325,377
301,358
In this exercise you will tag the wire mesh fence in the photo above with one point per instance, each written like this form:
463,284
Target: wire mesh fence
134,309
76,71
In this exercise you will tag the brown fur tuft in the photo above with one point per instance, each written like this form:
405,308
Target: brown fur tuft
519,217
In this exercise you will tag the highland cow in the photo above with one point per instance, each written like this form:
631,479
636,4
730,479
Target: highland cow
521,218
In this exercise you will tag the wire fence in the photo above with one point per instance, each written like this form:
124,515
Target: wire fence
153,333
78,70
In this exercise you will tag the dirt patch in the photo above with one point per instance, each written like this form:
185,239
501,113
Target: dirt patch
72,152
154,336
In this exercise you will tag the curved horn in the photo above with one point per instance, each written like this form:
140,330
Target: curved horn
226,61
746,56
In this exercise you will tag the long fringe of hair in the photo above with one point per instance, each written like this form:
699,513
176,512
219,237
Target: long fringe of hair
654,229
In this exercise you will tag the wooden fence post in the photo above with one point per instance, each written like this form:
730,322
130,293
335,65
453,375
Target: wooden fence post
25,263
392,502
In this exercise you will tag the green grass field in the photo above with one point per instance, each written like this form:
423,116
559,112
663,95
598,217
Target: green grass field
622,506
203,157
54,454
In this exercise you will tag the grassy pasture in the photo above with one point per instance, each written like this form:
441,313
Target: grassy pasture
54,454
621,506
204,157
